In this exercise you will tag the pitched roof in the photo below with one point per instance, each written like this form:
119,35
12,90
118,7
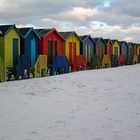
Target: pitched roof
25,31
4,29
121,42
114,40
100,38
84,37
42,32
66,34
106,40
129,43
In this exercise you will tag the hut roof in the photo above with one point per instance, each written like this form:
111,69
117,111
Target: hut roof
25,31
66,34
43,32
4,29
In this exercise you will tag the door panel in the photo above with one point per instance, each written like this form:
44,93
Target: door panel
70,52
49,52
88,53
55,49
108,50
33,52
15,51
100,52
74,50
116,51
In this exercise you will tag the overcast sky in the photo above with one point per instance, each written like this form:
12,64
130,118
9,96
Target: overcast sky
115,19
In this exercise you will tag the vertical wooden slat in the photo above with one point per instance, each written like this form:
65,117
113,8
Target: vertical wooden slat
70,52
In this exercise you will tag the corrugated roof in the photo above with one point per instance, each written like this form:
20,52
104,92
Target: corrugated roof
4,29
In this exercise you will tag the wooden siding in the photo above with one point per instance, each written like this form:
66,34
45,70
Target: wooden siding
87,52
116,45
108,49
26,45
73,39
43,44
9,47
100,49
2,50
138,50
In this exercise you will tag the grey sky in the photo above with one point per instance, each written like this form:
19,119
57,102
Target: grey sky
116,19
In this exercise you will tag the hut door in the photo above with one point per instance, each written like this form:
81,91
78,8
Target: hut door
33,52
74,50
130,53
100,52
139,51
125,51
49,52
108,49
116,51
55,49
122,50
135,51
88,53
70,52
15,51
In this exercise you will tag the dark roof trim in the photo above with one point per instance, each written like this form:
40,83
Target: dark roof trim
70,33
10,28
50,31
85,37
29,31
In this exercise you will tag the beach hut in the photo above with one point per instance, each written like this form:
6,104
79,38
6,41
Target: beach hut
135,57
116,48
29,44
115,52
71,47
123,53
50,43
108,49
87,47
28,49
124,48
138,52
9,46
138,49
130,49
106,62
99,48
129,58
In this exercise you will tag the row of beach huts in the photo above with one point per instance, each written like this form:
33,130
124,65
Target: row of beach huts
31,53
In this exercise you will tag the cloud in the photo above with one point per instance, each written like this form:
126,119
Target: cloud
101,18
79,14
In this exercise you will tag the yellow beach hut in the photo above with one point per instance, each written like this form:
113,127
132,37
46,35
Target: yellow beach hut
9,46
116,48
71,45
